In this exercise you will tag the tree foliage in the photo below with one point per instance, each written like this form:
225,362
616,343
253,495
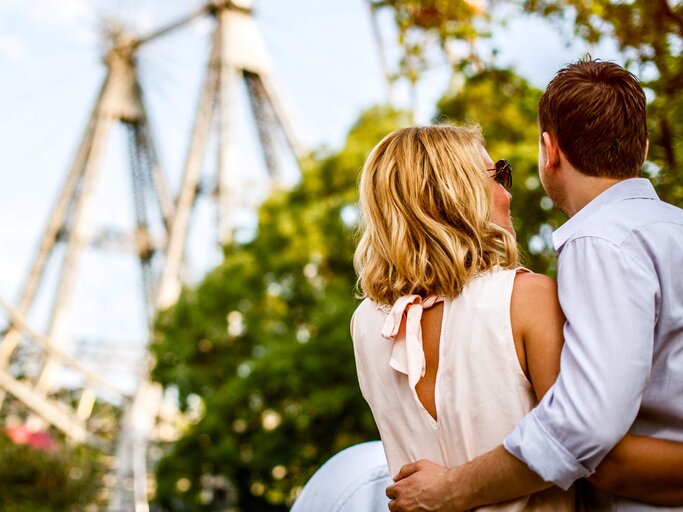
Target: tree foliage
34,480
264,341
453,26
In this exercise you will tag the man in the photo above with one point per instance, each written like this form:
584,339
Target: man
620,281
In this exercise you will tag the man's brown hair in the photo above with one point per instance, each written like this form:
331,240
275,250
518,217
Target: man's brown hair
596,111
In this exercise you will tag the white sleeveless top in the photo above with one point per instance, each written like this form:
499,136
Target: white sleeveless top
481,392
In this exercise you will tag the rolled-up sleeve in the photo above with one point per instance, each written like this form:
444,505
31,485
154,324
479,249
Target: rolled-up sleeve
609,297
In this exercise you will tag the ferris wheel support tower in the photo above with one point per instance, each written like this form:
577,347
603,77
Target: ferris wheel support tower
238,54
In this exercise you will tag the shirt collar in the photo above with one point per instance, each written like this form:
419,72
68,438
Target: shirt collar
631,188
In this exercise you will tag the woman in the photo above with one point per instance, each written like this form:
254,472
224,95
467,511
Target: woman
454,343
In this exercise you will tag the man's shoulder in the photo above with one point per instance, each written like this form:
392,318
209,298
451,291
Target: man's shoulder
620,222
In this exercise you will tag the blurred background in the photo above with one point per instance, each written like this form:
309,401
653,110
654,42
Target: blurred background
178,206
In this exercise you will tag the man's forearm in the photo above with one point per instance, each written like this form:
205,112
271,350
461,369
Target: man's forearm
494,477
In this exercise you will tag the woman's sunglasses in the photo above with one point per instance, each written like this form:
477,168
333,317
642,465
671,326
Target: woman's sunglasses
503,174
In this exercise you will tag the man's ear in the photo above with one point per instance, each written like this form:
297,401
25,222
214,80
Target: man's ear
647,148
552,151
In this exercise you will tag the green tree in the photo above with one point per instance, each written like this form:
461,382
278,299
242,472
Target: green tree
34,480
264,341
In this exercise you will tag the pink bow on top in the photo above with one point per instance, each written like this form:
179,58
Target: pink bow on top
407,354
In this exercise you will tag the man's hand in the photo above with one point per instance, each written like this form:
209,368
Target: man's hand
493,477
422,486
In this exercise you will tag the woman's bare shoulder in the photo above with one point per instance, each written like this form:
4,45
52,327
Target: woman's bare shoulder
532,287
534,306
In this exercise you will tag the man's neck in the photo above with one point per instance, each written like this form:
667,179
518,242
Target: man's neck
582,189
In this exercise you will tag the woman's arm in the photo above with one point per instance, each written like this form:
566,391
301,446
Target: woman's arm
645,469
537,323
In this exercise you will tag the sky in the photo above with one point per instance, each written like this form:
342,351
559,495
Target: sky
326,66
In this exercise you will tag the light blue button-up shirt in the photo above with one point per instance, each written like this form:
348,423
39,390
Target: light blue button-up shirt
620,282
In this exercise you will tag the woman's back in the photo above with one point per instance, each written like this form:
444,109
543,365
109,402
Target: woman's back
480,389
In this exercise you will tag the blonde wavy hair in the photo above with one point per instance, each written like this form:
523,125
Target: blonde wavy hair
425,223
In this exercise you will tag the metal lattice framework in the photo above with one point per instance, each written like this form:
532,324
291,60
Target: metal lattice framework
29,360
